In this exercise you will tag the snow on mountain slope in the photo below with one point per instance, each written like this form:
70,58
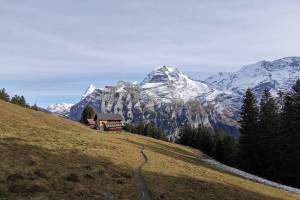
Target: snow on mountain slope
166,97
169,84
62,109
89,91
169,98
277,75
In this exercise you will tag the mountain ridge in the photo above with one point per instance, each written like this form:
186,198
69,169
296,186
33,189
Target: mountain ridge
169,98
166,97
62,109
277,71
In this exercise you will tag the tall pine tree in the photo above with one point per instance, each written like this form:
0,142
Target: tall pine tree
290,138
35,107
268,135
226,148
4,96
88,113
19,100
249,153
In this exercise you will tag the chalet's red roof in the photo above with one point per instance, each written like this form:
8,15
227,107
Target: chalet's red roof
91,122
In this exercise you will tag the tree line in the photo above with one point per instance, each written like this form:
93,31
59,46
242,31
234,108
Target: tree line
270,135
88,113
18,100
218,145
269,142
146,129
142,128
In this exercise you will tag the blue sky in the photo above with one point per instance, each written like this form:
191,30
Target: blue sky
51,50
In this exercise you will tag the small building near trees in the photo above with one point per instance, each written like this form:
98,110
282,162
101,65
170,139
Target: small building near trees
109,122
91,123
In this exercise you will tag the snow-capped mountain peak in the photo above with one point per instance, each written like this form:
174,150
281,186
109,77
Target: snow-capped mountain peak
164,74
275,75
60,108
168,83
166,97
89,91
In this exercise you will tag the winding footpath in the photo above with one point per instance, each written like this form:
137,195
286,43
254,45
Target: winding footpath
143,193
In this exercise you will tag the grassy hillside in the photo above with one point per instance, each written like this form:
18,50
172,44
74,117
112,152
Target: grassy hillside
47,157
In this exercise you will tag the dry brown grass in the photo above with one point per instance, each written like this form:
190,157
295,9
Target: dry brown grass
47,157
175,172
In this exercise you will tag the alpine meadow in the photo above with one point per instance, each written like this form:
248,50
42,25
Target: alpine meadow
149,100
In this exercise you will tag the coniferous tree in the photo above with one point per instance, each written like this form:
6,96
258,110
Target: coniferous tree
185,133
269,146
96,117
226,148
19,100
35,107
23,102
141,129
230,150
149,130
268,135
280,101
146,129
199,138
155,132
290,138
205,141
249,153
218,139
88,113
4,96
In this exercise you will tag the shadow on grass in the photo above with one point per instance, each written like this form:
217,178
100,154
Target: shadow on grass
177,153
188,188
29,172
33,172
192,186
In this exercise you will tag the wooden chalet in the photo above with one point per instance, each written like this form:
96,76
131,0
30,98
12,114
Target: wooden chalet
109,122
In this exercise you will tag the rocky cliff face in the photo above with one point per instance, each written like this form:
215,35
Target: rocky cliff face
167,98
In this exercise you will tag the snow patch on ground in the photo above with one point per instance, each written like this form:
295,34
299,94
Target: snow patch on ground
251,177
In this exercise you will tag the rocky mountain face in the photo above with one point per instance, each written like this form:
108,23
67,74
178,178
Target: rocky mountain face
166,97
278,75
88,91
169,98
